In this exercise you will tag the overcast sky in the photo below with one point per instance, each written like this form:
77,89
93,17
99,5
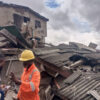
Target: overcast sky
69,20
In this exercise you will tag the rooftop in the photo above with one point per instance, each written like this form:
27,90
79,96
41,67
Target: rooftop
25,8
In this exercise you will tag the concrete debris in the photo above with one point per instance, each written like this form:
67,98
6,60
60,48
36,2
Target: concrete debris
76,70
67,75
93,45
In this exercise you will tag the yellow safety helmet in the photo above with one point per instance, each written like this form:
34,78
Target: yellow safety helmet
26,55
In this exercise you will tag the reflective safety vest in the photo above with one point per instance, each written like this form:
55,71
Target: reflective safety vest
29,87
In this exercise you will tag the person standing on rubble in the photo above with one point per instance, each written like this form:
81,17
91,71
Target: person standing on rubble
2,62
30,79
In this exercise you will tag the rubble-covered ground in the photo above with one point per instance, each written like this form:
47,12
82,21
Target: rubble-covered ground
68,72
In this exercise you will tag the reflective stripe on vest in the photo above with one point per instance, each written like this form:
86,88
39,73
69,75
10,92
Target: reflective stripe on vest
30,77
32,86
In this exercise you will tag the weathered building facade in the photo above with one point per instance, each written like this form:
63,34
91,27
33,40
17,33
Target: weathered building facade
30,23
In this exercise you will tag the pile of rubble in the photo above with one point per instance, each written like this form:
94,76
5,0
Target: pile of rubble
68,72
73,71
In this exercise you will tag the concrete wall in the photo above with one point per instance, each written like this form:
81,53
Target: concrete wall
6,18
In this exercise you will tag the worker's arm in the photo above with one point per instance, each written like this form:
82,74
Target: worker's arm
33,85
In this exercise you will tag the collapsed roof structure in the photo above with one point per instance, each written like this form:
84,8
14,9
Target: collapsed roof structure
75,69
68,72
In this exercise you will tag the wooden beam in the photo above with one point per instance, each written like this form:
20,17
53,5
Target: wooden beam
5,33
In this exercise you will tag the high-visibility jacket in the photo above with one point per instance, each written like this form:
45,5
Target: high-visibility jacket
29,87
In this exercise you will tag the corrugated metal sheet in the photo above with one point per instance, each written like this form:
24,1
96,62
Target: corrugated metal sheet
78,90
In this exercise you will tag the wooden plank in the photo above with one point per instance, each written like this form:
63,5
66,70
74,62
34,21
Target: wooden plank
77,63
9,66
2,38
10,50
5,33
2,44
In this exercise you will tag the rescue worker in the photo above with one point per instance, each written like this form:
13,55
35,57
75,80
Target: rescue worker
30,79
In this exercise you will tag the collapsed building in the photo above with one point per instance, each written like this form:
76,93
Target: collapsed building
68,72
28,22
74,71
